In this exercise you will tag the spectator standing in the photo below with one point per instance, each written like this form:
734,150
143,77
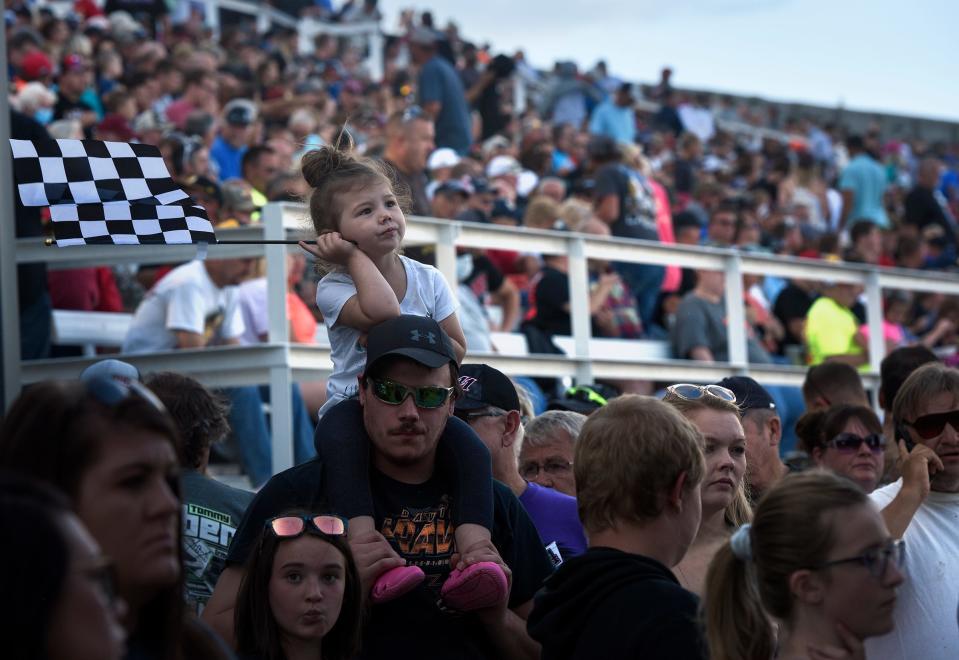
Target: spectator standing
615,117
925,204
409,142
926,410
644,447
491,406
211,510
440,93
75,78
832,330
893,372
833,383
862,184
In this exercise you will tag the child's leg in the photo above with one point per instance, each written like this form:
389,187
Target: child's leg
463,456
345,451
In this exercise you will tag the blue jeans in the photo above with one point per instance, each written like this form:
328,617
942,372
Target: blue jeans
644,282
36,323
252,432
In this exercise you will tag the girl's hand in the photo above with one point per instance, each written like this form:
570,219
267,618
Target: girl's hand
332,248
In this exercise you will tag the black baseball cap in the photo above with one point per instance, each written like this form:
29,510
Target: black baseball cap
484,386
750,395
417,337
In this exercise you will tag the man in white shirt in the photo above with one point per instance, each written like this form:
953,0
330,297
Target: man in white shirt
197,305
926,413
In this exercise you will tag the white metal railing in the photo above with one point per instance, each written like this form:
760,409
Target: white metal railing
278,362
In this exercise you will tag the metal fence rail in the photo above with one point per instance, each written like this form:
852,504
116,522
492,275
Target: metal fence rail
279,363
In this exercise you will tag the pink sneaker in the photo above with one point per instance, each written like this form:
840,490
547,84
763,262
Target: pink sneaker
395,582
475,587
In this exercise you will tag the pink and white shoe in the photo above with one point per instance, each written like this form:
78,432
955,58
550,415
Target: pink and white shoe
396,582
476,587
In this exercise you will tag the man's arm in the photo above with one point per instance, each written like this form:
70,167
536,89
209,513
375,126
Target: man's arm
917,468
701,353
188,339
507,297
848,198
607,208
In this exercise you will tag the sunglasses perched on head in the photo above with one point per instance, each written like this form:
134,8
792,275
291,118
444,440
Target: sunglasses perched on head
428,396
929,426
289,527
851,442
691,392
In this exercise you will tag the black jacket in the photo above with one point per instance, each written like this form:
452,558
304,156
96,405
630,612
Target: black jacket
607,604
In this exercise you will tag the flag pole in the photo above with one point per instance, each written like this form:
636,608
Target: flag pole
257,241
9,301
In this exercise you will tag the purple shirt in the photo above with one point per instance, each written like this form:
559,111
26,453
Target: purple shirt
556,519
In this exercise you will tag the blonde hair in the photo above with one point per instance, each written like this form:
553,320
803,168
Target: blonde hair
542,212
738,512
924,383
628,455
575,213
793,529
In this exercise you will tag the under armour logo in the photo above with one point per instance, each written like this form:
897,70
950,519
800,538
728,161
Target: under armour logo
416,335
466,382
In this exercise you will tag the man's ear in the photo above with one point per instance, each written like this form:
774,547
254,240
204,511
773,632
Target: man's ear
675,494
807,586
775,430
817,454
513,421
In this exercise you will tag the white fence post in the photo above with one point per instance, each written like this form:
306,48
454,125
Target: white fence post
578,275
877,341
735,312
281,382
446,253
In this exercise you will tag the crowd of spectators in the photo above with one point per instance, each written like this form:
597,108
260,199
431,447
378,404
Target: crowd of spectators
625,525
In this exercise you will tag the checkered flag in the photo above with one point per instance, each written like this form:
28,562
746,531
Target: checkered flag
107,192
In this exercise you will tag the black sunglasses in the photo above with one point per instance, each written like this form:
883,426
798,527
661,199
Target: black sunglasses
428,396
930,426
849,442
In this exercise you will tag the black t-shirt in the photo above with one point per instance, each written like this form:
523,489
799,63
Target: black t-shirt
484,278
67,109
416,519
637,205
684,176
792,303
31,278
551,296
923,209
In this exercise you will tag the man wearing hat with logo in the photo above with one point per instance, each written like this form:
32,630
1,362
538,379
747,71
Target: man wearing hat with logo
239,116
490,405
764,430
74,79
410,361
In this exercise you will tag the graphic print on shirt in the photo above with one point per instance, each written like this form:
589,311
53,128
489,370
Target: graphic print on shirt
424,538
212,324
206,538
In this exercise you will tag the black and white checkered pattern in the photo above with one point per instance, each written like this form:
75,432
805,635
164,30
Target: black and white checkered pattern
107,192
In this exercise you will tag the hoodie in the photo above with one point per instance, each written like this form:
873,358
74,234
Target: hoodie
610,604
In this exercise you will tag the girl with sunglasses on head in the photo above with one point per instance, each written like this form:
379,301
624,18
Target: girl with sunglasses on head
300,598
725,506
112,449
58,602
812,577
847,440
356,210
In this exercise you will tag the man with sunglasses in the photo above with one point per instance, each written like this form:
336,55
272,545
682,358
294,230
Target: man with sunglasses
406,398
923,507
490,405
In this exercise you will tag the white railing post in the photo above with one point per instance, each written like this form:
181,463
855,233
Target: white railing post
281,398
578,275
519,95
9,306
446,252
376,63
213,16
874,316
735,312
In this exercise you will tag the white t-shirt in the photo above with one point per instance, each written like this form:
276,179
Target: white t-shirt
427,294
256,319
925,615
188,300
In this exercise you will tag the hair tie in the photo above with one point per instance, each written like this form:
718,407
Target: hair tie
741,543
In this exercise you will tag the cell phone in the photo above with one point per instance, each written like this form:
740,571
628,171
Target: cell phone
901,433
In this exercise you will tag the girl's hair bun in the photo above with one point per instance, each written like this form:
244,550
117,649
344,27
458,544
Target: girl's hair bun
321,163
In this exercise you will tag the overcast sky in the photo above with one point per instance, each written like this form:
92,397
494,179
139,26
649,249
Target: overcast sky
887,55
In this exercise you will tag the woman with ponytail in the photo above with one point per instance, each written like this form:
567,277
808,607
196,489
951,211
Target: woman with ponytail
812,577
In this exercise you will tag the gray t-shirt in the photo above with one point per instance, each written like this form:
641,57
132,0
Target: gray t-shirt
211,513
700,322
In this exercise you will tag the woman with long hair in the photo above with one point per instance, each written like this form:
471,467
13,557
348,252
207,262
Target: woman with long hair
817,561
713,410
112,449
300,598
